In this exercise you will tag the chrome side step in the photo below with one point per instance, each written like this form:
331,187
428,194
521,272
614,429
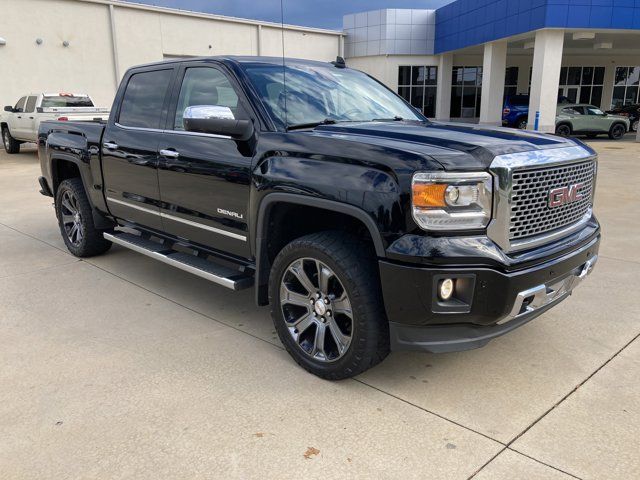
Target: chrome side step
224,276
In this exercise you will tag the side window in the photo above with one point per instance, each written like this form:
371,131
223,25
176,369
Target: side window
573,111
20,105
31,105
207,86
144,98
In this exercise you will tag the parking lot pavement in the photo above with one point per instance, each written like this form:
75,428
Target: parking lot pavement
121,367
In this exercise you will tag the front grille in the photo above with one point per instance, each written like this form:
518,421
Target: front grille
530,212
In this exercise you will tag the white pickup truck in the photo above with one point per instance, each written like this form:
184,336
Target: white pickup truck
20,123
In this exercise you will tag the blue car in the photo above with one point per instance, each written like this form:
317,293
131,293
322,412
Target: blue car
516,110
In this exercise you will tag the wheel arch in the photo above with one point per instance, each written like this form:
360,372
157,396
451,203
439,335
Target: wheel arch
565,123
350,216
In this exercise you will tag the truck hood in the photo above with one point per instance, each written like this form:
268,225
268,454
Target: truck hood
456,146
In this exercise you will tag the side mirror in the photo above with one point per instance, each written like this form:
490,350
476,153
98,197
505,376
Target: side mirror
216,120
8,108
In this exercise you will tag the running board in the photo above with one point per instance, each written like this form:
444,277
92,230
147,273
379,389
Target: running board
227,277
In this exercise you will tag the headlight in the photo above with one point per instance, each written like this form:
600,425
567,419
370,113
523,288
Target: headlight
452,201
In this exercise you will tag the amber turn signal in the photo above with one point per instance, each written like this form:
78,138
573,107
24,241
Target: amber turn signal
429,195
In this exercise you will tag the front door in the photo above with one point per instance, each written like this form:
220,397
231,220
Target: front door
130,146
205,179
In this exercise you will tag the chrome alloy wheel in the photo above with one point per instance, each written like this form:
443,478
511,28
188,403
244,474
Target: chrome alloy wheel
71,218
316,309
6,139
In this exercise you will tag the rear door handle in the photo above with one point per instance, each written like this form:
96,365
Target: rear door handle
169,153
110,145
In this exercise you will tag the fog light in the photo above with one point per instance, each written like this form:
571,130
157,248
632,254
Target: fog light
446,289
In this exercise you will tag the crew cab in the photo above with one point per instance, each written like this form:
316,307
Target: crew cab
20,123
364,226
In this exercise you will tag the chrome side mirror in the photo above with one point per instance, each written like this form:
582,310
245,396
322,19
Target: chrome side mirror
216,120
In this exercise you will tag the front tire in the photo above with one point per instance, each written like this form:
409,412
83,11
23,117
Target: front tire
326,304
75,219
618,130
563,130
11,145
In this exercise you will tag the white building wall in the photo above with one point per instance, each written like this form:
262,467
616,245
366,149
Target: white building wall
143,35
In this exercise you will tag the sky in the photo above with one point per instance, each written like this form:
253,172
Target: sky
310,13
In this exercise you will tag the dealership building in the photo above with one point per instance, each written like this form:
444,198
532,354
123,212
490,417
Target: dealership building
456,62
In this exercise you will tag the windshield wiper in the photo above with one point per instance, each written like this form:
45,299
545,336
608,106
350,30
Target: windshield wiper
393,119
299,126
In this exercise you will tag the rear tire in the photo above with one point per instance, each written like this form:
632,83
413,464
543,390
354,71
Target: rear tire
563,130
75,219
349,312
11,145
521,123
634,126
617,131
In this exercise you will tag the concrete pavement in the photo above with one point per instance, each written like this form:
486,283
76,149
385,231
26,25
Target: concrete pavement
122,367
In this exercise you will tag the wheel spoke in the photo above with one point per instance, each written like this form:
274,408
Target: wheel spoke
67,219
67,204
342,305
73,232
293,298
298,270
303,323
79,233
342,340
318,343
324,274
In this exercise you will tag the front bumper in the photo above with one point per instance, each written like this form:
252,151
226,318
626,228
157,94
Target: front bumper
493,303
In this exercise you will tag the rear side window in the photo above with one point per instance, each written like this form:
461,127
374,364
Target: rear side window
31,105
144,98
519,100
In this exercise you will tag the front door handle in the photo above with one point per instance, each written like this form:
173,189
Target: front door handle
169,153
110,145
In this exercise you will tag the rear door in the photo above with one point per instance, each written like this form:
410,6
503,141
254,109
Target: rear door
205,179
130,146
28,120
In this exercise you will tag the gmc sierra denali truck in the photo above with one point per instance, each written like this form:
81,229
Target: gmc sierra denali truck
364,226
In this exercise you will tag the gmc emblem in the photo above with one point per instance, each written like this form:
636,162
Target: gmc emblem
563,195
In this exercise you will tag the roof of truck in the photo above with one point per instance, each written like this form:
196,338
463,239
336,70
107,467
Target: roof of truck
240,60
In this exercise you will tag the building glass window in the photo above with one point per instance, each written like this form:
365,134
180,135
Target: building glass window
466,92
626,85
511,82
418,85
582,84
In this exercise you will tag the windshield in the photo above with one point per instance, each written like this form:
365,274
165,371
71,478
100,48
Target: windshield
62,101
317,94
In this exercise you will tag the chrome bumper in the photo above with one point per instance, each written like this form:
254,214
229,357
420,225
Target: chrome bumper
544,295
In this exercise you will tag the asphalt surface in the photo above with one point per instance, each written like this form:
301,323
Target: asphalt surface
122,367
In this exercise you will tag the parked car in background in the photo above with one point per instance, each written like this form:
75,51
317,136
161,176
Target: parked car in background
516,110
630,111
20,123
583,119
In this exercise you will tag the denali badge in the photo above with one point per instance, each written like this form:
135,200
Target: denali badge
239,216
563,195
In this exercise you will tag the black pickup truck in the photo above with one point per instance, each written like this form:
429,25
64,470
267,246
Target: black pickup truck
364,226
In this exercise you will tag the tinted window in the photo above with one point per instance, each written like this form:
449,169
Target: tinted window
519,100
20,104
594,111
66,100
206,86
31,105
144,98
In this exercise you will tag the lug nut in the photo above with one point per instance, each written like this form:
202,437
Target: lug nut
326,300
329,313
318,295
312,301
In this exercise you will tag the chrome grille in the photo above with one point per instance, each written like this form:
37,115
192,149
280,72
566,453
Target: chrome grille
530,212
